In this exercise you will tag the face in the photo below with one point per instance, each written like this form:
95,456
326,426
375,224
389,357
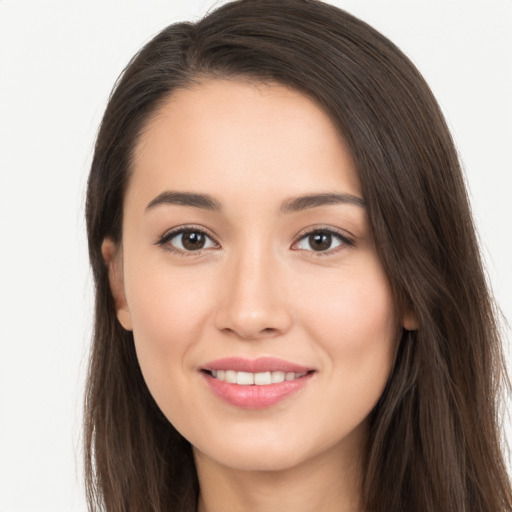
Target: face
262,317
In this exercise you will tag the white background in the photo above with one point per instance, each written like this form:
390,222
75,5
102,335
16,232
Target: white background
58,62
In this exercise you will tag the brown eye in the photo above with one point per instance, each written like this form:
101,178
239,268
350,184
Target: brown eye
322,241
193,240
187,240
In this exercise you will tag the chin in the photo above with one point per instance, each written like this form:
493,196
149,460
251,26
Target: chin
280,451
255,458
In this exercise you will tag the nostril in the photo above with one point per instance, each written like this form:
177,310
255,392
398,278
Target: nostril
252,321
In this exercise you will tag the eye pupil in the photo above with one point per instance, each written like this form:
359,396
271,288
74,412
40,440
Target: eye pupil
193,240
320,241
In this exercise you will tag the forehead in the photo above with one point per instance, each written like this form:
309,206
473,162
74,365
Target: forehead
226,135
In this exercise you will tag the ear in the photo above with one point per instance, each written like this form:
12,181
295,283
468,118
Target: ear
113,259
409,321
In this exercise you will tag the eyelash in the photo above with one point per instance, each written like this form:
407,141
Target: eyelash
167,237
342,238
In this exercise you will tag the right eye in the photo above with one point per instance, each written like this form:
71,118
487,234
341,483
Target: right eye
187,240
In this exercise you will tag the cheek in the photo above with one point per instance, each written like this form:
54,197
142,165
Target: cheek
356,328
355,309
164,303
167,314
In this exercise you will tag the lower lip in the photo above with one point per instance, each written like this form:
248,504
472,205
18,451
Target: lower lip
253,396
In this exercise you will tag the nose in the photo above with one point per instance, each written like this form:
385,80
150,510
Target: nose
252,303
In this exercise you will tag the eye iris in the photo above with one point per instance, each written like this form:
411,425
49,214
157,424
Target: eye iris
192,240
320,241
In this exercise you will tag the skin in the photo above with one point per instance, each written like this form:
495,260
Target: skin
257,288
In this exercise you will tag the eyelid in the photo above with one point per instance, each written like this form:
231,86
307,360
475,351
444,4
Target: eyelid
171,233
347,240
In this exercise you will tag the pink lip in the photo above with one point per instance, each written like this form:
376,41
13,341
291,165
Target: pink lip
255,397
262,364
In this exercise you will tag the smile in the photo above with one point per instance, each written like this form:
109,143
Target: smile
255,379
255,384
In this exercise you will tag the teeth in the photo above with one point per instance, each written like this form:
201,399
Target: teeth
277,377
230,376
245,378
258,379
262,379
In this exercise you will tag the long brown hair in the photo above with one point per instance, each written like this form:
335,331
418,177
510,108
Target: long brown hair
435,442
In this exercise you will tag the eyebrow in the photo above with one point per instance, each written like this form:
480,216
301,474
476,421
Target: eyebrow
203,201
296,204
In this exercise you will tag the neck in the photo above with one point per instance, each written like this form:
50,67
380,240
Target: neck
330,482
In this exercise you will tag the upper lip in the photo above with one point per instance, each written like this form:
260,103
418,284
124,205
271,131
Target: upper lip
262,364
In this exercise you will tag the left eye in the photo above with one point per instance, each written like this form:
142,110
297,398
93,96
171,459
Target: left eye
188,240
321,241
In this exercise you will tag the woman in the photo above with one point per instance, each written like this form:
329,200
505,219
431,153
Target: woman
291,311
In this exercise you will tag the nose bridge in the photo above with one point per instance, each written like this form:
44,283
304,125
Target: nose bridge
253,301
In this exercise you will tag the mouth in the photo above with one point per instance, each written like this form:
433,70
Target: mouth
255,384
255,379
